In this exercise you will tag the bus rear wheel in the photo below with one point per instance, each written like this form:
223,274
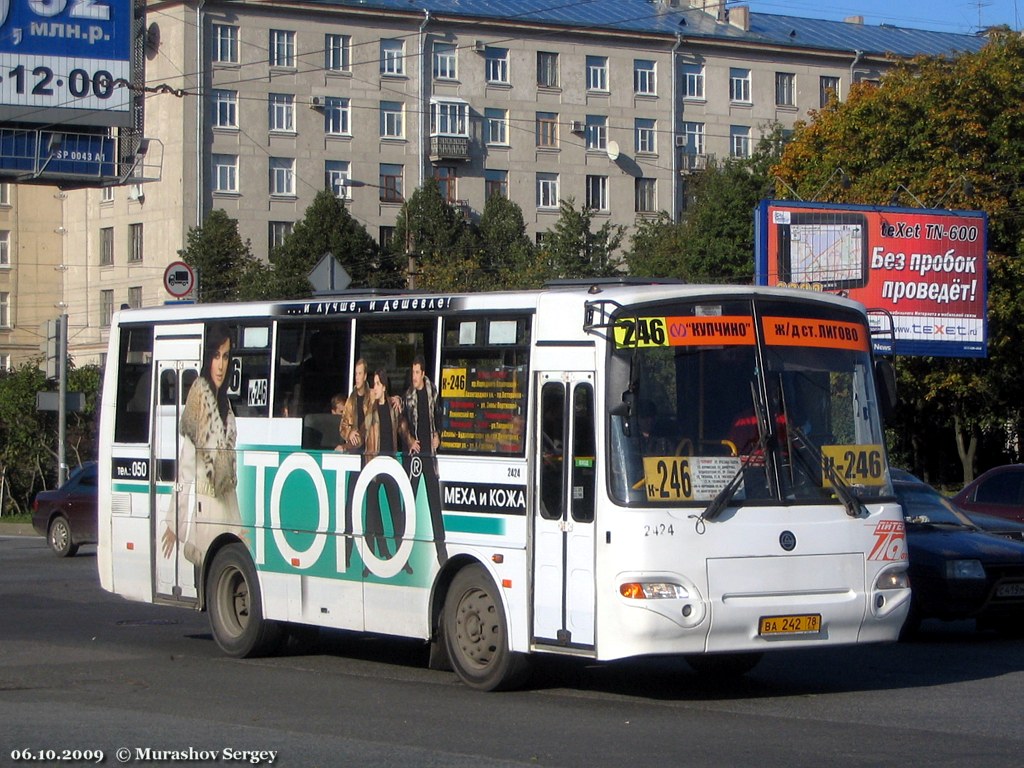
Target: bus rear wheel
236,607
476,634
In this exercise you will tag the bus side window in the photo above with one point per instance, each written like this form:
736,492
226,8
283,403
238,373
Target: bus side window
131,417
552,403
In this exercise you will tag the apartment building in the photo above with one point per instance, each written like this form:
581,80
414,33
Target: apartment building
257,106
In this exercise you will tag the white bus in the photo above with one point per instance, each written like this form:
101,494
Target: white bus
612,470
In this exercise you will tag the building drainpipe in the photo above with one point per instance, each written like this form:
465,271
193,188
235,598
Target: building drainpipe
676,101
424,97
200,112
857,56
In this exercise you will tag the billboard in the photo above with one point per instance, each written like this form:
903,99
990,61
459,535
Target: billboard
925,269
66,61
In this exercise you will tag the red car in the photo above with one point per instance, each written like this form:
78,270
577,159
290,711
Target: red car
67,515
998,492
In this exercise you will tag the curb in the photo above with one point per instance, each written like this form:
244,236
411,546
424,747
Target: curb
17,529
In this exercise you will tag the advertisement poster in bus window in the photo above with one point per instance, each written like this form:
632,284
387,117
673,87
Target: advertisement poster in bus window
923,268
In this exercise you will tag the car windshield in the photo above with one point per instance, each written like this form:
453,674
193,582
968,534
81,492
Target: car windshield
923,505
773,398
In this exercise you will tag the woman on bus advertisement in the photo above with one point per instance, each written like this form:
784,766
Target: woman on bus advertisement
383,426
207,503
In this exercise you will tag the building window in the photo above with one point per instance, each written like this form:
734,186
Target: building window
392,57
225,44
597,193
282,48
646,134
277,232
644,82
694,135
547,69
449,118
337,53
5,193
785,89
739,141
5,309
282,112
495,183
225,173
496,65
391,188
106,194
646,195
597,132
392,125
225,109
336,176
547,190
135,244
386,237
135,297
739,85
446,183
5,247
336,116
547,129
444,61
282,176
5,362
497,126
106,246
106,307
829,87
693,81
597,73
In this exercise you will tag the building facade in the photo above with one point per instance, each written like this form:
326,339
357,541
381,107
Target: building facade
256,107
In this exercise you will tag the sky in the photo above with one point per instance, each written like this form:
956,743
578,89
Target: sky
961,16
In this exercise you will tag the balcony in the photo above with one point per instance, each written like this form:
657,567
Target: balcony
449,148
689,163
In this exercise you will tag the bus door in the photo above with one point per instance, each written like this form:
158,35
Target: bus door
177,362
564,549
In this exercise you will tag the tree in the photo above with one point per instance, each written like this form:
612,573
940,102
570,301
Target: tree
221,260
430,231
946,132
574,252
510,259
715,240
328,227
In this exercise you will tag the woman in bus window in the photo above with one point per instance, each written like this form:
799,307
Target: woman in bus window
207,501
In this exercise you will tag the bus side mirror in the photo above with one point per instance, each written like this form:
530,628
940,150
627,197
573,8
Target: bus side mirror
885,384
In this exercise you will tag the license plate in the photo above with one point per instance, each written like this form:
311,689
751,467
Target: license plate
1010,590
802,624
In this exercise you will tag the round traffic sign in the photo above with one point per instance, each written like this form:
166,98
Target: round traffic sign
179,279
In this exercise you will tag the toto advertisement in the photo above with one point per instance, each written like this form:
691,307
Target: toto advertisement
921,273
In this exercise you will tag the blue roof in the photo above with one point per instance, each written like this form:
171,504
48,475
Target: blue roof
657,18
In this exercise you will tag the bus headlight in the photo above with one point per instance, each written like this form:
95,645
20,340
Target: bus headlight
893,579
965,569
653,590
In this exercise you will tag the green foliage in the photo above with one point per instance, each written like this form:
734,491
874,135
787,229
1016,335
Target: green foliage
328,227
573,251
510,259
220,258
714,243
28,437
951,132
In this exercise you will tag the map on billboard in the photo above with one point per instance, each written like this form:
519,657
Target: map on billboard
66,61
831,249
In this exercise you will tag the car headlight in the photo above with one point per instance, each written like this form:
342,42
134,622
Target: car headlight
965,569
651,590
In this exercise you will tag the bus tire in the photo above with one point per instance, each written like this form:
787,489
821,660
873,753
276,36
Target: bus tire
476,634
723,665
59,538
235,604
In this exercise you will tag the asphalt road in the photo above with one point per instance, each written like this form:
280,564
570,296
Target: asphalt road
84,670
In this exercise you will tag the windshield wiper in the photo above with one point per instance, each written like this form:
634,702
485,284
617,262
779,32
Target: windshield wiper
724,496
852,503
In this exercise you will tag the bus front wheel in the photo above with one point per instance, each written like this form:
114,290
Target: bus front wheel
476,634
235,604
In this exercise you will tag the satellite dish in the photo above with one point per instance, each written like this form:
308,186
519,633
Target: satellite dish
613,150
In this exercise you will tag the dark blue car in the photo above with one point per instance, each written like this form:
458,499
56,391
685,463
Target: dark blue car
958,570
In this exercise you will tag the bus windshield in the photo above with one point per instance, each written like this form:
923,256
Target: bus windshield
769,398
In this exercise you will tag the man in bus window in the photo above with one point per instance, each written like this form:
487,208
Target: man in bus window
354,414
423,416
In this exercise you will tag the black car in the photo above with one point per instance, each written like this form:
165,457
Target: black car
67,516
958,570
